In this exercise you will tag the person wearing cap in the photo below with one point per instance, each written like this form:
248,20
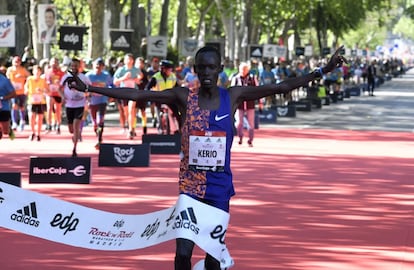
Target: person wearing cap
160,81
97,102
128,76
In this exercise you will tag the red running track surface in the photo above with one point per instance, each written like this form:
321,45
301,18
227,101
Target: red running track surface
306,200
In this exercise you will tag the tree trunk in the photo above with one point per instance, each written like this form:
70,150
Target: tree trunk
95,45
228,22
180,25
22,25
164,18
115,7
135,25
200,23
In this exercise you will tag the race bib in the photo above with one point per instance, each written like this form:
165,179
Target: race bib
54,88
37,98
129,83
17,85
77,95
207,150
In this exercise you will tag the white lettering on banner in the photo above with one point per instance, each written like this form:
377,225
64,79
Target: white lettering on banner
171,144
51,170
39,215
72,38
78,171
123,156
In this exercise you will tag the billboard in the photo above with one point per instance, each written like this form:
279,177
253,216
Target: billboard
7,31
47,18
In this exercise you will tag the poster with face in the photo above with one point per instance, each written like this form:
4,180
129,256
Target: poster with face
47,19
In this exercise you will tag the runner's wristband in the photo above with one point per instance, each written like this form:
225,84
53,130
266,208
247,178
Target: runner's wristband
87,88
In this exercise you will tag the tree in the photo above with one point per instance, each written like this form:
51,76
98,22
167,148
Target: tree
163,31
96,45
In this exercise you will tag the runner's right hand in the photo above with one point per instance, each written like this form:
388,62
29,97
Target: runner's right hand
75,82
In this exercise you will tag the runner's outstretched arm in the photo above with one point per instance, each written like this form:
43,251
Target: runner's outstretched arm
169,96
257,92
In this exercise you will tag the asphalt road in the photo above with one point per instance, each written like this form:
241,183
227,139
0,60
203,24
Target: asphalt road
391,109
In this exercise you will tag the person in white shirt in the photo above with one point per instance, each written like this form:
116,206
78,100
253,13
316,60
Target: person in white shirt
75,102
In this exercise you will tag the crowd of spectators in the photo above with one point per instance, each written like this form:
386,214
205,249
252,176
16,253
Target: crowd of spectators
157,74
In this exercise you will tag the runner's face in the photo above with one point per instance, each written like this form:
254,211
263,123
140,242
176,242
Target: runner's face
54,62
208,68
129,62
16,61
74,66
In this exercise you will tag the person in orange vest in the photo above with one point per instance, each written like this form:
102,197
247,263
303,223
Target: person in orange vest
36,89
18,74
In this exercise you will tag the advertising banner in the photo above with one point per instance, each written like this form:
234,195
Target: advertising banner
60,170
7,31
12,178
189,47
163,144
124,155
47,19
157,46
71,224
121,39
71,37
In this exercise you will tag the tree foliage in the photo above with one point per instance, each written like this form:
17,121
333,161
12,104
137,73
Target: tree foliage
322,23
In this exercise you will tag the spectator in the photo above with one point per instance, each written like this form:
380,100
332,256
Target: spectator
246,107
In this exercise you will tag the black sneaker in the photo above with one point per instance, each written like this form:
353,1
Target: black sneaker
74,154
38,138
31,137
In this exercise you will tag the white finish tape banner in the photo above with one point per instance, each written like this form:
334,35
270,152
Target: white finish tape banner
56,220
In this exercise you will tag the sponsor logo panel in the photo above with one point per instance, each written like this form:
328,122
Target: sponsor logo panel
115,237
27,215
65,223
